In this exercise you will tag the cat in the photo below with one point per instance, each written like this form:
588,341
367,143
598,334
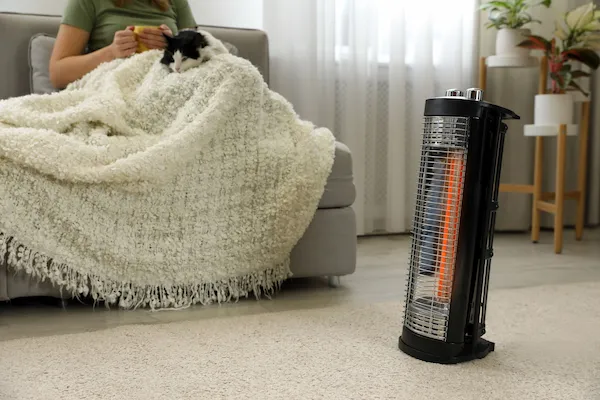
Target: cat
190,48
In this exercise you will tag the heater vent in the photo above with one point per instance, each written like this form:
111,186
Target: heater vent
436,225
446,132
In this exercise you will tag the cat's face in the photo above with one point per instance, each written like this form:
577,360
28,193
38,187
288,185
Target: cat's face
184,51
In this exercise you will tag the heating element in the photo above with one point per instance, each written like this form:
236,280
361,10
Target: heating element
457,194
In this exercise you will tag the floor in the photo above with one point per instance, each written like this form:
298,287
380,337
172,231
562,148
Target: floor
380,276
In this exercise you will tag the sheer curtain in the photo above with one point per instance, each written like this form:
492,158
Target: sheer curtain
363,68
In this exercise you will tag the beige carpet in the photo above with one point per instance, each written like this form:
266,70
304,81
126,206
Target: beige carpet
547,347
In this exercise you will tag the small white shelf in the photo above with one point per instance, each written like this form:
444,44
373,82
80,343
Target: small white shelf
511,62
549,130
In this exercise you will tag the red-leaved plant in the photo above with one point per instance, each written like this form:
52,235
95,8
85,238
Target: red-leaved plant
580,37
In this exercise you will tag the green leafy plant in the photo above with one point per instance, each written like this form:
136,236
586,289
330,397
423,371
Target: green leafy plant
576,39
511,13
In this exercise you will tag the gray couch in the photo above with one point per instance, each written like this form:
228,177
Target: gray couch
328,247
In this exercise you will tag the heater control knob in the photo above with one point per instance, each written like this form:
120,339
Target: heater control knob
474,94
454,93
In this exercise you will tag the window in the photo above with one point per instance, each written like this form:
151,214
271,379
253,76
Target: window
385,27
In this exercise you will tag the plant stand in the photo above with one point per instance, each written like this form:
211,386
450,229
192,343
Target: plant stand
541,199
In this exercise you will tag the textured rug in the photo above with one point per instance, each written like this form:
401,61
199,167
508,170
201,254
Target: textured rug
547,347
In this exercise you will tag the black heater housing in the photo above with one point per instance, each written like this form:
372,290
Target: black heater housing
452,237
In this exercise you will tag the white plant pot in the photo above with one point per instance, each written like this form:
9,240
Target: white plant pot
553,109
507,41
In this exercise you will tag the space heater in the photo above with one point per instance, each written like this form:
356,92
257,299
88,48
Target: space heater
453,231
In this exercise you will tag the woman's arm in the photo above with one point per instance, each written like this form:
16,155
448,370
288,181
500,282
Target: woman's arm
68,64
185,17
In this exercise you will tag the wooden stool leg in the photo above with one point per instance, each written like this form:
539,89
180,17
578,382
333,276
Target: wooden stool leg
560,188
482,74
537,188
582,176
539,158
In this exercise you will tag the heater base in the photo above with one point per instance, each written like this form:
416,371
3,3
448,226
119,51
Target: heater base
473,352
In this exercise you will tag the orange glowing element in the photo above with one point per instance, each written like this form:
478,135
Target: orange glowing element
454,170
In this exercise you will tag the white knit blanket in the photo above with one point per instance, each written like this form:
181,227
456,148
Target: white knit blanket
141,187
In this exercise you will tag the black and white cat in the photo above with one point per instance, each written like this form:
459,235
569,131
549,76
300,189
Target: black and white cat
190,48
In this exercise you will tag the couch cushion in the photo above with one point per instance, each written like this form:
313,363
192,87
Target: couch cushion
339,191
40,50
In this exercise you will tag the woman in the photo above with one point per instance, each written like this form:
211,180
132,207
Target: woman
105,28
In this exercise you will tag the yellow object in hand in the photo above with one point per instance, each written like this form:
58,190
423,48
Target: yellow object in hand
137,30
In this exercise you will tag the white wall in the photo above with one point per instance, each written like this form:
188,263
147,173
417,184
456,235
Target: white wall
234,13
51,7
237,13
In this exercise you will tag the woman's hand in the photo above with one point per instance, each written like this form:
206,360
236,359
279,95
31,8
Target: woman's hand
153,38
124,43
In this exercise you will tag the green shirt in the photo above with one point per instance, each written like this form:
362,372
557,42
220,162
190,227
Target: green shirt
101,18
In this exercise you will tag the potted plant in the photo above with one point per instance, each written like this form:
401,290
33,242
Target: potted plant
509,17
575,41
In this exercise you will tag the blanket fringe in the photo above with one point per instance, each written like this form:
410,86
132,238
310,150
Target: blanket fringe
19,257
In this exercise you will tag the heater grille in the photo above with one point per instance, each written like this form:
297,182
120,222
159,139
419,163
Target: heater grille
436,225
